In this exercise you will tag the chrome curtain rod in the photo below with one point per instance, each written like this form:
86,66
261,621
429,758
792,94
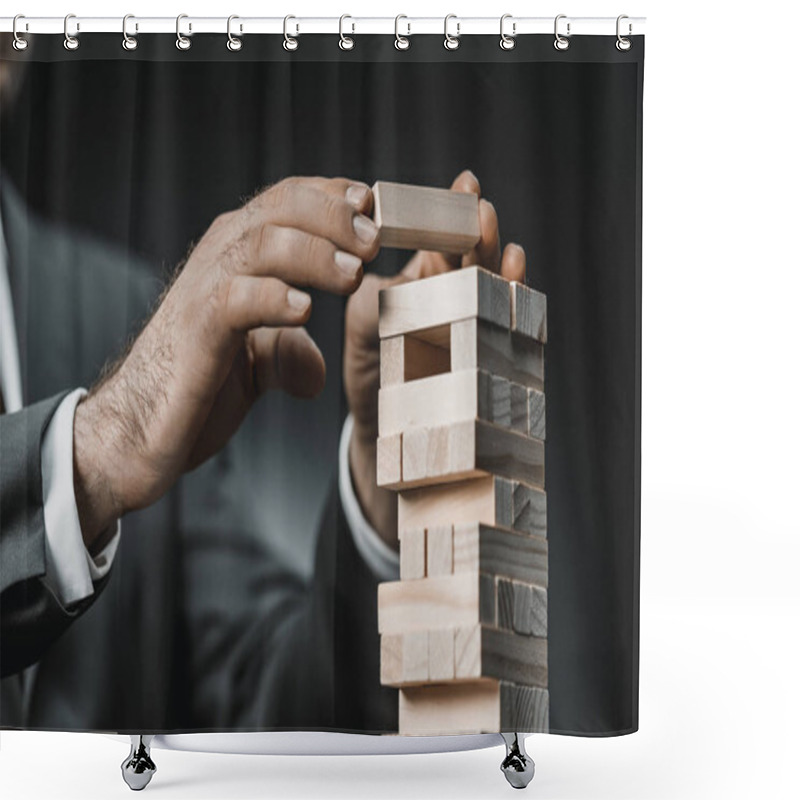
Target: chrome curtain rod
296,25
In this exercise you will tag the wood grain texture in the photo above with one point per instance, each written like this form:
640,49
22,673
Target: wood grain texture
393,360
488,600
477,344
444,299
412,553
488,706
447,601
448,503
465,450
439,550
521,608
389,453
425,218
529,513
500,412
536,414
441,655
520,408
495,551
528,312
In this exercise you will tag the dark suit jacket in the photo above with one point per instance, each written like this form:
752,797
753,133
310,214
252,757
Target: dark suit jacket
200,624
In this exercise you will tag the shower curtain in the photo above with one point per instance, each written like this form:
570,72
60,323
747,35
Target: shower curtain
198,543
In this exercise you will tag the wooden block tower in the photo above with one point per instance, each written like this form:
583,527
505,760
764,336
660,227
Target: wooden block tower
461,438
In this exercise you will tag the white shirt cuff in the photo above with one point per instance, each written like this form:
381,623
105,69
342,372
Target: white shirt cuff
70,570
379,557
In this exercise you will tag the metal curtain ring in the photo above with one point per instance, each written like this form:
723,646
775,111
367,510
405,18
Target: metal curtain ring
234,42
182,42
561,42
129,42
346,42
507,42
451,42
401,42
70,42
19,42
623,43
289,42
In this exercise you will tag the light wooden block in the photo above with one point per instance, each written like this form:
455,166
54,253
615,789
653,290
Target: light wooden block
478,652
528,312
389,454
408,358
477,344
431,603
412,553
521,608
392,360
485,499
441,655
444,299
440,550
425,218
470,708
536,414
505,553
466,450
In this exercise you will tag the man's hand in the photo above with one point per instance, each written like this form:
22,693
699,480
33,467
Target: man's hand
362,351
228,329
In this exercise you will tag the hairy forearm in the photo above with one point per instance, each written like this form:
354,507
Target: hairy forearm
379,505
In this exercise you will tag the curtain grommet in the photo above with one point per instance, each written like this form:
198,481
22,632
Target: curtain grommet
346,42
129,42
623,43
290,43
234,43
507,41
71,42
401,42
451,42
19,43
561,43
182,42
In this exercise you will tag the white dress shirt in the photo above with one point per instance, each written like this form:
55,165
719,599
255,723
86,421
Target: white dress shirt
70,569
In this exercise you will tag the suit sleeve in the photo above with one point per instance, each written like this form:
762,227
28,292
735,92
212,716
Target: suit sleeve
31,616
271,652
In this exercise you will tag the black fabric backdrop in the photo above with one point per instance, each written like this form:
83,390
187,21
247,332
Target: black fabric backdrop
146,148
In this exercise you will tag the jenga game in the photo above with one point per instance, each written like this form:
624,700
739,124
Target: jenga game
461,439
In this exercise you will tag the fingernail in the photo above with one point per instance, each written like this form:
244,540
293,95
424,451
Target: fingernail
365,228
356,194
297,300
347,263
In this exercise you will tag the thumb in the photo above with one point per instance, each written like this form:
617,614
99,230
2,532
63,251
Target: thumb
287,359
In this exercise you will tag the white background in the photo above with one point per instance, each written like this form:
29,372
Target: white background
720,603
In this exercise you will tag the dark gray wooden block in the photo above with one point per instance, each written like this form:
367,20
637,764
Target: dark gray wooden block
524,708
519,408
522,608
536,415
487,600
509,657
529,510
501,401
528,312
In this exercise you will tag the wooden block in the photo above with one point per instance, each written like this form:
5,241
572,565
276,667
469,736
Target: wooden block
441,658
485,652
476,344
392,360
390,460
529,510
487,600
528,312
521,608
519,409
415,657
430,402
485,499
392,659
536,416
446,601
444,299
494,551
501,402
440,550
488,706
412,553
424,218
465,450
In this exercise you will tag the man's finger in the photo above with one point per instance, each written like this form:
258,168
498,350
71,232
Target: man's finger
300,259
301,203
513,265
287,359
255,302
487,251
